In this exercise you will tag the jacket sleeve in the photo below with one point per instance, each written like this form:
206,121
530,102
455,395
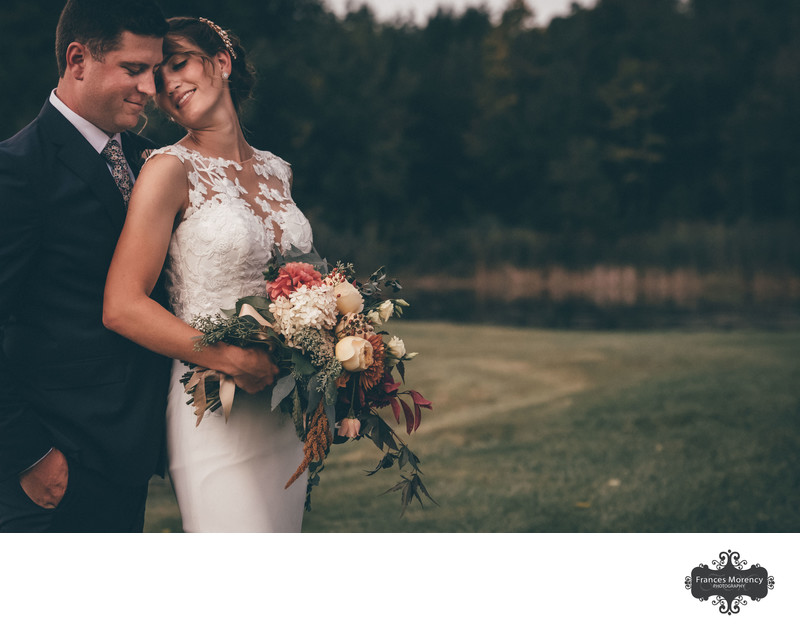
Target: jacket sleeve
24,439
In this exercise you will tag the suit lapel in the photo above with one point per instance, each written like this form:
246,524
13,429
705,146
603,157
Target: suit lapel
81,158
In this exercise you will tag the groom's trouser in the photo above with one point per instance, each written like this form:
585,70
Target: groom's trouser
91,503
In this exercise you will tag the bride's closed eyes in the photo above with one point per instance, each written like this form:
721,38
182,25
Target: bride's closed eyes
175,63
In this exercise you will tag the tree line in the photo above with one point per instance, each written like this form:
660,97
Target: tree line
624,119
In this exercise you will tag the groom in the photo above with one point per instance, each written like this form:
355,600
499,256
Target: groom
81,409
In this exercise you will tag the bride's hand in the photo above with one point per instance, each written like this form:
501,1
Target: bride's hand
253,370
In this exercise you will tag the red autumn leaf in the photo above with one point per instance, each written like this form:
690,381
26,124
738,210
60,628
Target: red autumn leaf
420,400
391,386
395,409
409,416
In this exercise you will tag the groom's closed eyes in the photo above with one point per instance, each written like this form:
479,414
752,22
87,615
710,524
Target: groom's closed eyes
135,69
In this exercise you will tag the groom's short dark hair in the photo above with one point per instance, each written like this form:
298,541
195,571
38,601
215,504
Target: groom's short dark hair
98,25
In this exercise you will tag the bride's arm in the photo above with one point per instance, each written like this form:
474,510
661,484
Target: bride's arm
161,192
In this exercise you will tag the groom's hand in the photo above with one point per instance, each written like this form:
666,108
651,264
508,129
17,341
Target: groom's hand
46,482
256,370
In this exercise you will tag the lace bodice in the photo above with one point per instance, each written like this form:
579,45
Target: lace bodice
236,214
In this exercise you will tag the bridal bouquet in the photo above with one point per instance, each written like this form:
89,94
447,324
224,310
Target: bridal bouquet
324,330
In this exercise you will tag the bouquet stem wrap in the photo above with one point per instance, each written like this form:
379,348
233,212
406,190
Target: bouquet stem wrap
227,387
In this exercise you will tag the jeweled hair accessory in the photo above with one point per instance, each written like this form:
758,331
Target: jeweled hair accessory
223,35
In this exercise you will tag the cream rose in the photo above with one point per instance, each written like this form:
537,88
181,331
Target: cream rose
348,298
381,315
395,350
355,353
386,309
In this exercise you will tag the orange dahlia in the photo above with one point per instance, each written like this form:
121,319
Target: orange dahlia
370,377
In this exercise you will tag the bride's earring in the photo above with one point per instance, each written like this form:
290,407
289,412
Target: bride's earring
225,75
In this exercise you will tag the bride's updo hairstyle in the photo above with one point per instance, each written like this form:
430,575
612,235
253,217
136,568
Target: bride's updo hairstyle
211,39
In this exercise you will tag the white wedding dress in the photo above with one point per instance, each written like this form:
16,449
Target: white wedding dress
230,476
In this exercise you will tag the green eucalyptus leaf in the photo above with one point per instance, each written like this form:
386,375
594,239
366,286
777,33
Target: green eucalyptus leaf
301,364
314,395
282,389
331,393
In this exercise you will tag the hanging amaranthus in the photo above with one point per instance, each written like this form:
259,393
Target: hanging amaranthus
317,443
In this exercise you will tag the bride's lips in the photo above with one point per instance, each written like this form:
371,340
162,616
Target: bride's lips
181,101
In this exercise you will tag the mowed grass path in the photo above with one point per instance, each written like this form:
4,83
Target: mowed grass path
552,431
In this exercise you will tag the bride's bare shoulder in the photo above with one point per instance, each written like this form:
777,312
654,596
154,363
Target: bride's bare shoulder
163,165
162,183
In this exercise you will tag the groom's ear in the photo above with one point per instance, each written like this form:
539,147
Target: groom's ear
76,60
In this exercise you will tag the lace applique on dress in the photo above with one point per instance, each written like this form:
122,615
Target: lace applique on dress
236,214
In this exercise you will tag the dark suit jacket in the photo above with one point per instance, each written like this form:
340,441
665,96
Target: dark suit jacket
65,380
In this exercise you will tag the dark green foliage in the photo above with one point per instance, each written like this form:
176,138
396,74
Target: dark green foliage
239,331
612,122
410,486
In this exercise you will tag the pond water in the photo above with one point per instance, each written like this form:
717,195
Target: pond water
609,298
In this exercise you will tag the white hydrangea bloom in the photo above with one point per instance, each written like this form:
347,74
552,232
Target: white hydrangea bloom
307,307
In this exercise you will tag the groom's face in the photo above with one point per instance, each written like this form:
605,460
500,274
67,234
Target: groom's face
116,88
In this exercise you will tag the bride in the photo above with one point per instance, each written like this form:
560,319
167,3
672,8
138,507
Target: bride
209,210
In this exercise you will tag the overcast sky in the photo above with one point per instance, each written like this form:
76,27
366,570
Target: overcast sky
421,9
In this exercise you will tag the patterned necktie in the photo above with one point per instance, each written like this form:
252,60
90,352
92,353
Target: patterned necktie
112,152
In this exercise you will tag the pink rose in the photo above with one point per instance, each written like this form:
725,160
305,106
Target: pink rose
349,427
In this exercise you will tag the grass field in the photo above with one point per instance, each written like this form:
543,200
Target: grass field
553,431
